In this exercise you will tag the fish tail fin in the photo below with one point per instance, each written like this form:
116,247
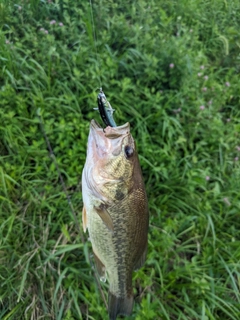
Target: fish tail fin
119,305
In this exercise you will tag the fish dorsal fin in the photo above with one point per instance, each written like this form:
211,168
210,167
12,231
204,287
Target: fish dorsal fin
105,216
84,219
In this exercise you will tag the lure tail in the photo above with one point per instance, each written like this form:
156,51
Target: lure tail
117,306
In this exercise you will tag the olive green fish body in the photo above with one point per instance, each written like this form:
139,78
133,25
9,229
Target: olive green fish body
115,211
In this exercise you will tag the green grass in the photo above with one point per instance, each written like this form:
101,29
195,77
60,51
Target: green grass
186,123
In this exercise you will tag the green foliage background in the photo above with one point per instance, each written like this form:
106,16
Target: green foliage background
170,68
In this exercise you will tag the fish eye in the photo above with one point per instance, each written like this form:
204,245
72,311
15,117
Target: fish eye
128,152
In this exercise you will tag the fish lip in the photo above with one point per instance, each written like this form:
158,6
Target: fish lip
95,125
110,132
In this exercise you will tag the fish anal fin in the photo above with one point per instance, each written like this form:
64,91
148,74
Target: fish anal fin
105,216
119,305
141,260
84,219
100,267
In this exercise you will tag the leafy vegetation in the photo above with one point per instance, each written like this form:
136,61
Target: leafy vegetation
170,68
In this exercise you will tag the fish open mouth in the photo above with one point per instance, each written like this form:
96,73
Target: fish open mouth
111,132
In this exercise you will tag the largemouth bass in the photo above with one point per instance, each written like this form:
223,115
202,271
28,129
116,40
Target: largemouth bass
115,211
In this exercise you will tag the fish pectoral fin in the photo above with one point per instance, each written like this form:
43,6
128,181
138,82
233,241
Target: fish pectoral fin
119,305
100,267
105,216
141,260
84,219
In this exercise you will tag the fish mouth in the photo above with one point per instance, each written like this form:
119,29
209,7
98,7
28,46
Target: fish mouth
111,132
109,140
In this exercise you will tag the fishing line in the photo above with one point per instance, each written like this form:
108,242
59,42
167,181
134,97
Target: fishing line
104,107
95,39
